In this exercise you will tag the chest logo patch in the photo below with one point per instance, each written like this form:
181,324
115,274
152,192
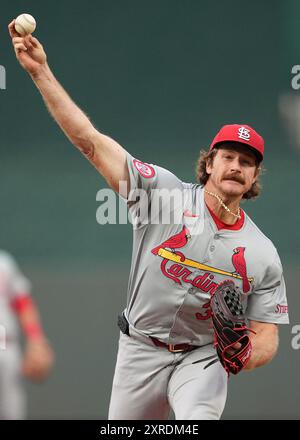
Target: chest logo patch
175,265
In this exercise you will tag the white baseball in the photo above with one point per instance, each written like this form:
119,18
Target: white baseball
25,24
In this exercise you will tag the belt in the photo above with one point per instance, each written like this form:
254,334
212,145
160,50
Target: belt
178,348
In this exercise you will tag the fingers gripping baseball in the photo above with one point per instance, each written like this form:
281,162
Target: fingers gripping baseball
29,51
21,43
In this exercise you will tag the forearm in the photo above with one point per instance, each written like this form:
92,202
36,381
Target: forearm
38,354
264,348
66,113
107,156
29,318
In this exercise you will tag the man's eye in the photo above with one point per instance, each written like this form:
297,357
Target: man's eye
246,162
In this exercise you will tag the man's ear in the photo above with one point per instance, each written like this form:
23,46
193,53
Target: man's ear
257,173
208,166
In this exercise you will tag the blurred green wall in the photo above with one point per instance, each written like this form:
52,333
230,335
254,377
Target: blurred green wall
161,77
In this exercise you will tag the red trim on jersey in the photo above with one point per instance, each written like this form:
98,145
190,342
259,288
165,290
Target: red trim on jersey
21,303
221,225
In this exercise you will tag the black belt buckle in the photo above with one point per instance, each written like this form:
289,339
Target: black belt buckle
123,324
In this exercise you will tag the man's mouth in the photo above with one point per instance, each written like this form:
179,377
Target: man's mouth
234,179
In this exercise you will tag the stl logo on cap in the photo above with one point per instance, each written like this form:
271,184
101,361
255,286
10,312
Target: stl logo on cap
244,133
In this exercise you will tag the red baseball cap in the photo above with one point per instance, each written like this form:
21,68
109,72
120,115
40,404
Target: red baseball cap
243,134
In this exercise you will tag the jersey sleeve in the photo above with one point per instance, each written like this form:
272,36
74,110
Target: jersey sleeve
268,302
18,285
153,191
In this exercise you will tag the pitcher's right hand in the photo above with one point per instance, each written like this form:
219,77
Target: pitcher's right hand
29,51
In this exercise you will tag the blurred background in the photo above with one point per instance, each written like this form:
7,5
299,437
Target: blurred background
161,77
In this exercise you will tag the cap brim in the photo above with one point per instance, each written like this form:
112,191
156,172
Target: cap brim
253,150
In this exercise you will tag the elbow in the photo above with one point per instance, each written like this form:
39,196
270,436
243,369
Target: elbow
264,348
272,350
260,361
84,141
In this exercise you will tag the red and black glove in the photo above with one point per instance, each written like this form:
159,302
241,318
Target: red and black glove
232,340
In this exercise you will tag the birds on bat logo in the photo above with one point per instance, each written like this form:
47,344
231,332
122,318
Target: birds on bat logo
175,241
180,240
239,263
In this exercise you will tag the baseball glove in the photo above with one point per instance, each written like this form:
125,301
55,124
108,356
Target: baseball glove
232,340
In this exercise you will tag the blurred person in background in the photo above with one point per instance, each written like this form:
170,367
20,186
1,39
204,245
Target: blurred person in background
17,309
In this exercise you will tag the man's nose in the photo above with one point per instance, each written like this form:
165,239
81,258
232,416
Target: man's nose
235,165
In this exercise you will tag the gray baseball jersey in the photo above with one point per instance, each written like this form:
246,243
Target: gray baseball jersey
12,284
12,394
177,265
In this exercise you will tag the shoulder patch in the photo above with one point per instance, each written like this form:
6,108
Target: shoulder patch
145,170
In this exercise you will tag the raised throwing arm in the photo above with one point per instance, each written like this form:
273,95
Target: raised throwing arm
107,156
